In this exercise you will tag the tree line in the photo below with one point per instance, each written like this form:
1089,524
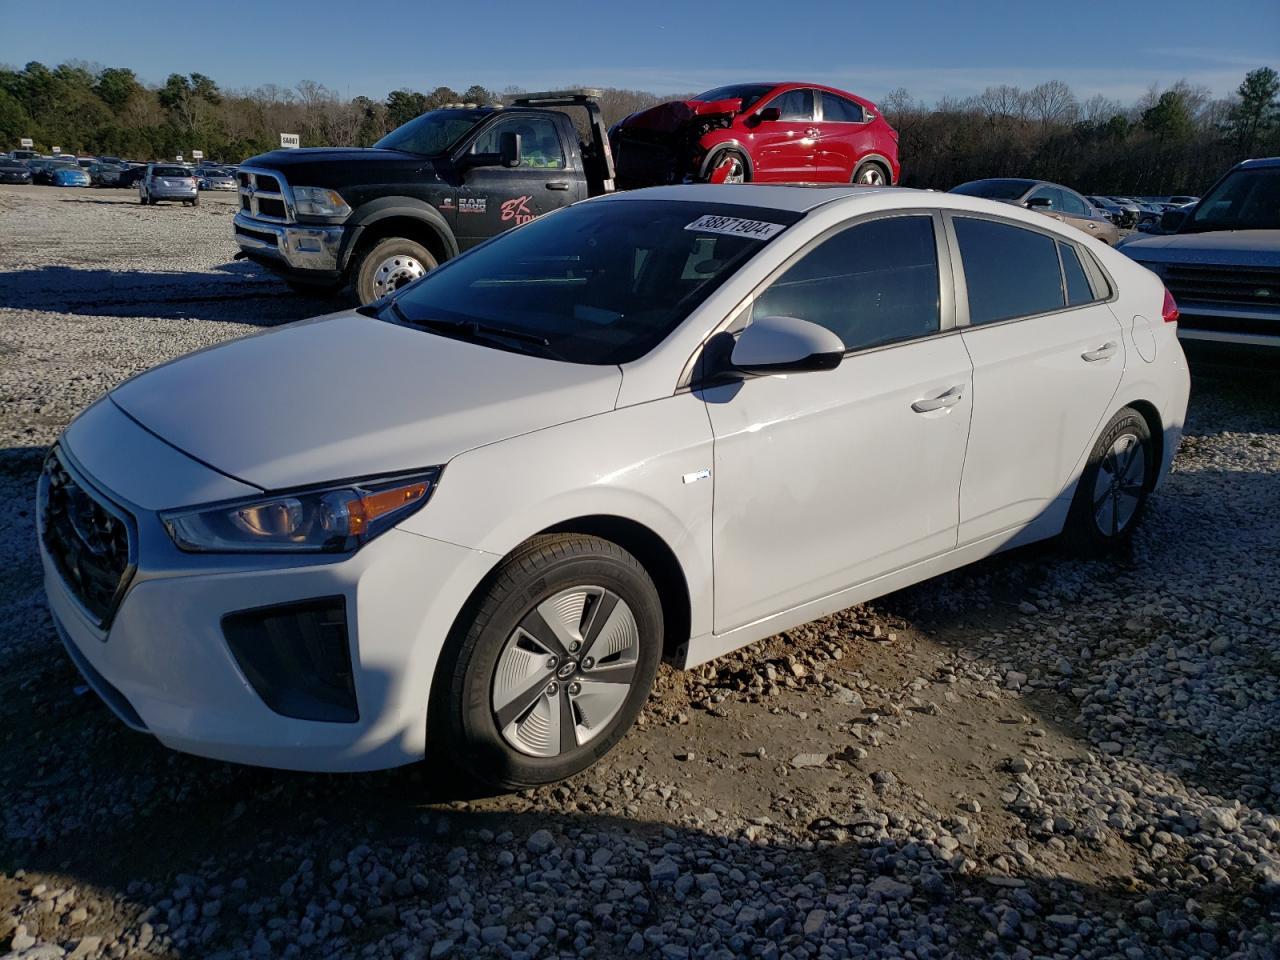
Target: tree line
1174,140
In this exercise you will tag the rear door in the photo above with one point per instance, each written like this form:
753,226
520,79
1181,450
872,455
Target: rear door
843,137
824,480
786,149
1077,212
1047,355
493,198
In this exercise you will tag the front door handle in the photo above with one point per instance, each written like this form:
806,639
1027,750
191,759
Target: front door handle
948,399
1093,226
1104,352
812,132
558,185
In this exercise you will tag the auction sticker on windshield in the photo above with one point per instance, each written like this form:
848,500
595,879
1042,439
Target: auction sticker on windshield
736,227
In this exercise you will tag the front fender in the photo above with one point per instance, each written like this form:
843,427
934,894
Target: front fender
650,464
367,214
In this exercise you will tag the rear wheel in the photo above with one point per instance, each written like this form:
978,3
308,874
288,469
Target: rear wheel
389,265
195,201
1114,486
871,174
554,665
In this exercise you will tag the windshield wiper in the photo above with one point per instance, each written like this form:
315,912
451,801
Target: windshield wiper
475,330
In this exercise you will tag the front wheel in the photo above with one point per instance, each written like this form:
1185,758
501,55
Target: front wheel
389,265
1114,486
728,167
553,667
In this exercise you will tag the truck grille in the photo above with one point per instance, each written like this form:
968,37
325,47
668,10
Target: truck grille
89,539
264,195
1251,286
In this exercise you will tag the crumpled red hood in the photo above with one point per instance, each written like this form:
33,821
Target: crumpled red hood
672,115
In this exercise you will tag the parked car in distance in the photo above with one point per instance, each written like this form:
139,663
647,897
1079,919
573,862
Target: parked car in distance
375,569
14,171
1051,199
758,132
167,181
1111,210
1221,259
104,174
215,178
23,154
130,175
60,173
1181,201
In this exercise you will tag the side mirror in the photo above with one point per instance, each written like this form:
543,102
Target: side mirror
1040,203
786,345
1172,220
769,114
509,148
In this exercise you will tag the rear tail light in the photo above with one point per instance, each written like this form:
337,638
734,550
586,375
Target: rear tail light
1170,308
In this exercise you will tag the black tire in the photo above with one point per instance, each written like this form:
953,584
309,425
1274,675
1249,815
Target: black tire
371,259
866,167
195,201
735,155
464,726
142,200
1099,523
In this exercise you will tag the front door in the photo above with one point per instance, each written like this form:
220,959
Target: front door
1047,360
493,198
786,149
824,480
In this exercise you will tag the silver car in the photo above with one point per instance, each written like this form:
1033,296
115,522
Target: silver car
166,181
212,178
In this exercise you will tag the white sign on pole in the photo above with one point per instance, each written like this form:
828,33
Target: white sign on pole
178,158
197,154
25,143
57,149
290,141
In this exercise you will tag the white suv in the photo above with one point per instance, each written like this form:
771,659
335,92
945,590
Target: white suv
472,519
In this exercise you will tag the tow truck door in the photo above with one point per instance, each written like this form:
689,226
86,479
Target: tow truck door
492,198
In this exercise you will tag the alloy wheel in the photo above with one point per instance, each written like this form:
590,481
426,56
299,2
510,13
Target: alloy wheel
1119,486
566,671
871,176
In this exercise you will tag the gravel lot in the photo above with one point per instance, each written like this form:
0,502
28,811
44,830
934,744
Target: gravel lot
1036,756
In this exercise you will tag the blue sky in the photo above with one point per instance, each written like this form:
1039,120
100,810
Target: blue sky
370,47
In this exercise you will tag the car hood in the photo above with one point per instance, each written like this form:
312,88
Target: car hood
337,167
1244,248
675,114
347,395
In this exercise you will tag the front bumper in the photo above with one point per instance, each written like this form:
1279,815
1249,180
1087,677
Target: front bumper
163,664
289,247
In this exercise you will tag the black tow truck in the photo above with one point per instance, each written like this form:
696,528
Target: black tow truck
379,217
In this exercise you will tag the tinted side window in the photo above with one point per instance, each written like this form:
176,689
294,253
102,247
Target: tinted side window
539,141
794,105
1078,289
1010,272
839,110
1073,204
871,284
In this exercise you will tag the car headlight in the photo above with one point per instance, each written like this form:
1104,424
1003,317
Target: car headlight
335,519
319,202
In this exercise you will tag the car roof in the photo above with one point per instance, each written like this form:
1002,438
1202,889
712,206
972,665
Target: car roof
1259,162
795,198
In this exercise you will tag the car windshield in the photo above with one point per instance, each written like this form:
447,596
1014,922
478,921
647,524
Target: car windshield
170,172
748,93
1245,200
599,283
432,133
994,189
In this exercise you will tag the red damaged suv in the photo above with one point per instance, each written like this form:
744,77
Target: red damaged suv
763,132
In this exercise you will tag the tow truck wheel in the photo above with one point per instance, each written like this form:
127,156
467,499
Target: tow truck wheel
389,265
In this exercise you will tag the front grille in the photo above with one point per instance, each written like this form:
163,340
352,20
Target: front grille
89,539
271,207
1266,328
1252,286
264,195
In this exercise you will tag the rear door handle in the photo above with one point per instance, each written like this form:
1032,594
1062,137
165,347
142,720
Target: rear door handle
948,399
558,185
812,132
1104,352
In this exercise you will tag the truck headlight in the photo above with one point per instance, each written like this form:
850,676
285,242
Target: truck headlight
335,519
319,202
